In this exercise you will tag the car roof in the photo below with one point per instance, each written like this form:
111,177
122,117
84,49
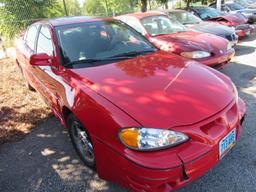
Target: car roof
60,21
199,7
141,15
175,11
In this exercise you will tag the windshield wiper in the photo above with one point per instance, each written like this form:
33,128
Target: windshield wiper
88,61
132,53
126,55
82,61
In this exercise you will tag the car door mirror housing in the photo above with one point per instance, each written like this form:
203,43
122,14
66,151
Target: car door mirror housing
40,59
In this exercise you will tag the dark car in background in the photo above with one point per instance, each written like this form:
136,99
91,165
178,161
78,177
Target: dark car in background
232,20
251,4
235,8
195,23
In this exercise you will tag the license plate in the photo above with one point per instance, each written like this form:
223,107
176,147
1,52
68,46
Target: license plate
248,32
227,143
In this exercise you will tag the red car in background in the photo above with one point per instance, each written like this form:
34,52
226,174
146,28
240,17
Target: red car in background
171,36
239,22
146,119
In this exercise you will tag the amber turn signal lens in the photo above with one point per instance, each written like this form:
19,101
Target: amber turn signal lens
129,137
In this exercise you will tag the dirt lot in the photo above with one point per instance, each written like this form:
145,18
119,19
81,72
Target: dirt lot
20,109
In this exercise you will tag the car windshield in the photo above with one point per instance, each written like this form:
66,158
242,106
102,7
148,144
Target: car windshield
161,25
185,17
99,41
207,13
235,6
250,1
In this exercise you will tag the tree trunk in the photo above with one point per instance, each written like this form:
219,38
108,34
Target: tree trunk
187,3
166,5
143,5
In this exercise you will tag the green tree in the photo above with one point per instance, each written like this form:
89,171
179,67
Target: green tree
73,7
144,5
16,15
94,7
108,7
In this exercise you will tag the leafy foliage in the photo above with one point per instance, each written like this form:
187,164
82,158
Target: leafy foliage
16,15
72,6
109,7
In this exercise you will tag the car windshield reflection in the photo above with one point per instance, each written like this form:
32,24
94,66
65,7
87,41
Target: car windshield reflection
99,41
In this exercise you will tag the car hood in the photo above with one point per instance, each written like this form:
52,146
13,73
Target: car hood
232,18
208,27
182,41
246,11
160,89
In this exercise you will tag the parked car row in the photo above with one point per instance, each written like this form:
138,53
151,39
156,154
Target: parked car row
235,8
171,36
238,22
140,107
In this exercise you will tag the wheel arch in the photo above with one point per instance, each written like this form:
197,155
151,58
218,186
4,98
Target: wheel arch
65,113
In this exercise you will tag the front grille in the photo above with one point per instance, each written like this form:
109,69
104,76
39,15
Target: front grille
231,37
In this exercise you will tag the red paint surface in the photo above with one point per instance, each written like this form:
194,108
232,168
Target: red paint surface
158,90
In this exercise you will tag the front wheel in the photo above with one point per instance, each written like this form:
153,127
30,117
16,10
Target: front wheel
81,141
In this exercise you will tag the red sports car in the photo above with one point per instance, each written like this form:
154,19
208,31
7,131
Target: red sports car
144,118
170,35
232,20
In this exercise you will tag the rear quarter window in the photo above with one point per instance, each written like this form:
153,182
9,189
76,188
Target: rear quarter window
30,36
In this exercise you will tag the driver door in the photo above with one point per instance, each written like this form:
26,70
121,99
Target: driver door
47,75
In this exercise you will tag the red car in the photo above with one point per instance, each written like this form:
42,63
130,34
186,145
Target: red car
238,22
170,35
144,118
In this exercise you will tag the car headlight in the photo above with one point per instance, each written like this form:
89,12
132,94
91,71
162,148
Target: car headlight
195,54
148,139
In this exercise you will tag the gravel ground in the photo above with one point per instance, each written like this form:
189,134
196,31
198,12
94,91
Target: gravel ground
45,160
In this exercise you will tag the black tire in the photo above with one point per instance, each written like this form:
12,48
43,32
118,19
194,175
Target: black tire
81,141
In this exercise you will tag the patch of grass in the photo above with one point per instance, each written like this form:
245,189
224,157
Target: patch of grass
20,109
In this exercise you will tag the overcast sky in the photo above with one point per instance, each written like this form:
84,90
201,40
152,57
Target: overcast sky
81,2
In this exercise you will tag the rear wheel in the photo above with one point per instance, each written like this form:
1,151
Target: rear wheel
81,141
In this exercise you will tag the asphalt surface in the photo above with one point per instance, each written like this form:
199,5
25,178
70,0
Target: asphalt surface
45,160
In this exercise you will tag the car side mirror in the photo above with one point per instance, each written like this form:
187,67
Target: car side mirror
41,59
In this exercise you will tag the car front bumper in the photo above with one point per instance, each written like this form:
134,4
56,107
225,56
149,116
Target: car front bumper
219,60
133,171
241,33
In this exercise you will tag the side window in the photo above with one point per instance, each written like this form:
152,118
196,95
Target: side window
31,36
44,44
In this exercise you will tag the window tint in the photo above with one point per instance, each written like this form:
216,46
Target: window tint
207,13
44,44
185,17
161,25
31,36
98,40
